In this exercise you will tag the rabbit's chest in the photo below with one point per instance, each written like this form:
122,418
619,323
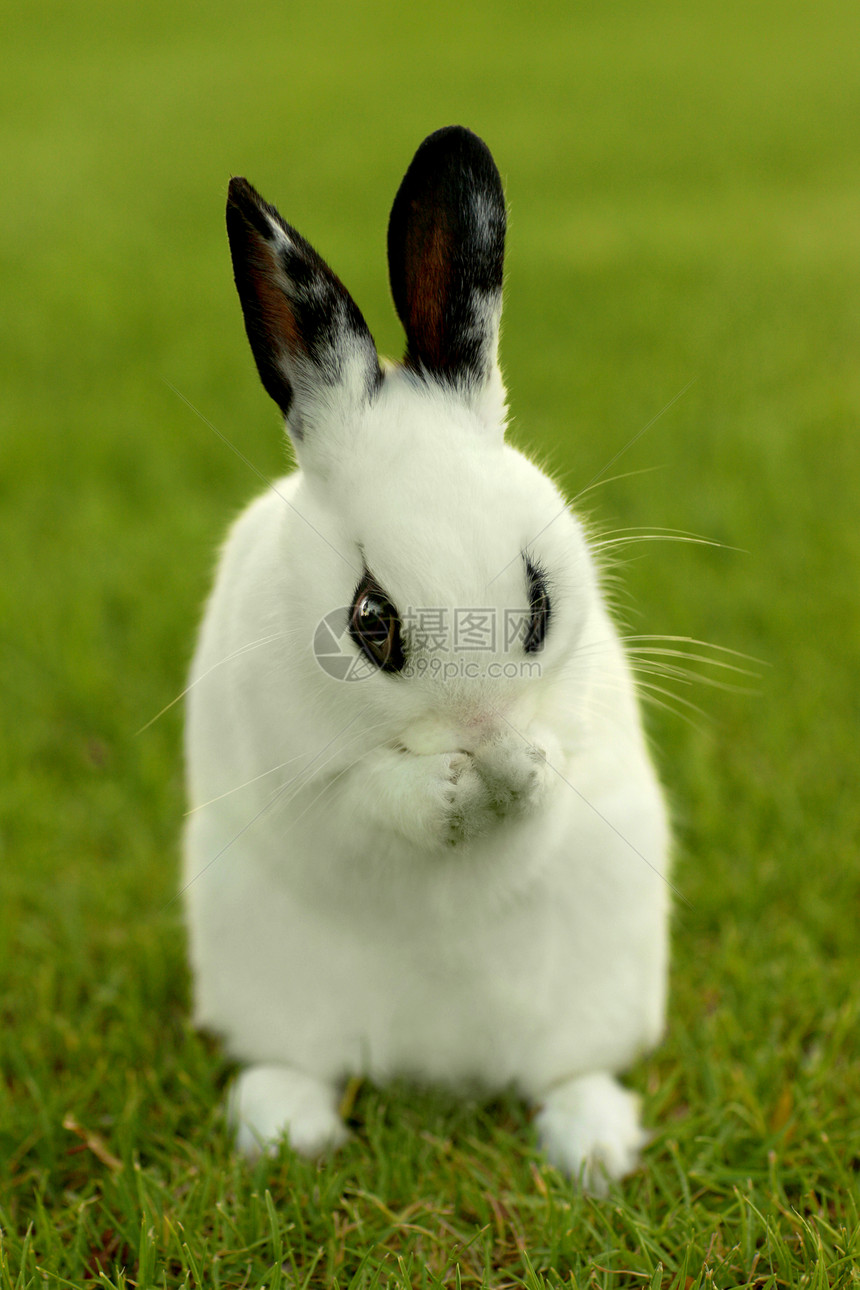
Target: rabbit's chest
446,1004
465,997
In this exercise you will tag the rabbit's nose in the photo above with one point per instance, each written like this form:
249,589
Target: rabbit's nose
479,728
466,732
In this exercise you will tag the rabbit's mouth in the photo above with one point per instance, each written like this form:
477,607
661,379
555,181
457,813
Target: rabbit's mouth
468,734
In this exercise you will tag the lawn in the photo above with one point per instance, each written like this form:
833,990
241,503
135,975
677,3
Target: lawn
684,255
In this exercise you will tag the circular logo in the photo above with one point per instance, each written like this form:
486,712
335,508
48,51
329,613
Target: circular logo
335,651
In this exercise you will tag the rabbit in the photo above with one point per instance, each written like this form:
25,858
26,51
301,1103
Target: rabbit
425,837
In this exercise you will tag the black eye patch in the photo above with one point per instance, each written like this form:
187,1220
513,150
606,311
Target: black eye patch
539,605
374,625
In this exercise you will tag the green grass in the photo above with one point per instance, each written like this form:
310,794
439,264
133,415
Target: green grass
684,185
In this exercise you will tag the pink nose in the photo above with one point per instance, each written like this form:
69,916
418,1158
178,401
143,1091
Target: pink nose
480,728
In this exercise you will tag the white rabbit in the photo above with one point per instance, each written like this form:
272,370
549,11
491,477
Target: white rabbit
426,838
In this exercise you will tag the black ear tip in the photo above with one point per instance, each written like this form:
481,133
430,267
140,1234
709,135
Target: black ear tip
456,141
246,210
451,156
451,135
241,194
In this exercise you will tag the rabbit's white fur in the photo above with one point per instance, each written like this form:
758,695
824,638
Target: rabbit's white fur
457,878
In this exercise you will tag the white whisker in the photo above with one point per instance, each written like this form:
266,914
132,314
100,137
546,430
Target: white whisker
600,815
633,535
651,687
328,784
686,676
243,649
692,640
664,705
591,483
230,791
260,475
318,771
613,479
262,811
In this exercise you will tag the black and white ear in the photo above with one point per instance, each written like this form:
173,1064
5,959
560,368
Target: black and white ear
446,246
313,350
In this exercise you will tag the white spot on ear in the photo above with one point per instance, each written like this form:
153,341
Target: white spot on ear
485,214
487,315
278,235
487,396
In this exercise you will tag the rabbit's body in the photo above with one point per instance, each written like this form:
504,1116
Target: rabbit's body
452,867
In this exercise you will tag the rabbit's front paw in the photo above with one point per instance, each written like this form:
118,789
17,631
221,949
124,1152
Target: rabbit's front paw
455,802
515,773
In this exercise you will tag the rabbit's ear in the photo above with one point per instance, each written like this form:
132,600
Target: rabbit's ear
446,245
312,347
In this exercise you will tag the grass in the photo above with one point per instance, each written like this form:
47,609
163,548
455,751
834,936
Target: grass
684,183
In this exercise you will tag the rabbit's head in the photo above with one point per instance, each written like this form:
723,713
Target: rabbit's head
464,583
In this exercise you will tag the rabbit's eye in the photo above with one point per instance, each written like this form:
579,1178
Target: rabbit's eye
540,609
374,625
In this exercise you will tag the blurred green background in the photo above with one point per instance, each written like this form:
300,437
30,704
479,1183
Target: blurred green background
684,192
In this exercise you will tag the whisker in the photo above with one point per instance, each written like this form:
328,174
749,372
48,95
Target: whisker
636,437
687,676
658,534
328,784
244,649
262,811
319,770
601,472
601,816
652,688
654,702
260,475
613,479
230,791
643,651
647,657
692,640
